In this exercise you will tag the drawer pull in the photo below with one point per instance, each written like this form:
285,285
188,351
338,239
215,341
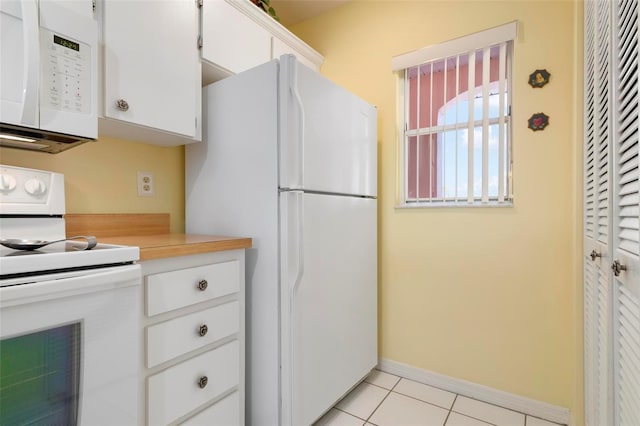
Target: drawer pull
203,330
122,105
202,285
203,382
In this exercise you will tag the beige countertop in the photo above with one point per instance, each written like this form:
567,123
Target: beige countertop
150,232
170,245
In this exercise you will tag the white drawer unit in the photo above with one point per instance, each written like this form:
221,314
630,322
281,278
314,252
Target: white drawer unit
222,413
184,387
176,289
192,368
175,337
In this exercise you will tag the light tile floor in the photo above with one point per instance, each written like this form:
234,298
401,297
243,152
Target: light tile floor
387,400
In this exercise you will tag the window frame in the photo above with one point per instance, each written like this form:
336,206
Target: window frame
401,65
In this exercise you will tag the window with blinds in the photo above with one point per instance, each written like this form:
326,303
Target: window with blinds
456,107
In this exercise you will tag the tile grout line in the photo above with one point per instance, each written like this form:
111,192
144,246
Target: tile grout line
400,378
449,413
422,400
508,409
351,414
475,418
378,406
475,399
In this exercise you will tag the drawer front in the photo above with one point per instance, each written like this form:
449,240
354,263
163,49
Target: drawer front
176,391
172,338
225,412
176,289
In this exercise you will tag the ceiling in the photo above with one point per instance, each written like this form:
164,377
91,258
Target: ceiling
292,12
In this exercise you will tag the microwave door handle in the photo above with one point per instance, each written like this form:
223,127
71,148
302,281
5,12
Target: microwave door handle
31,34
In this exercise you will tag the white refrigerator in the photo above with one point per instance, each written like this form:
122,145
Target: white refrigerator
290,159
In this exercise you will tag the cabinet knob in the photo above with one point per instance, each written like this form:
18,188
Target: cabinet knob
203,382
594,254
122,105
617,267
203,330
202,285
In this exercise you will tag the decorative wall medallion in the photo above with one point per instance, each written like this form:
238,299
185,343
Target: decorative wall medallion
538,121
539,78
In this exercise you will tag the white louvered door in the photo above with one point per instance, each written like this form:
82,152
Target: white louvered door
626,220
597,291
590,268
612,214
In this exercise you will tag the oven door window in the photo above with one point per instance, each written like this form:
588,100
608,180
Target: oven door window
40,377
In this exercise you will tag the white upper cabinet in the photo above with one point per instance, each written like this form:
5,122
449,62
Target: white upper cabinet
232,40
237,35
151,71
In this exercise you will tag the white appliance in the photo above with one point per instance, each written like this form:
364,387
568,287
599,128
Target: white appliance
48,75
289,159
69,318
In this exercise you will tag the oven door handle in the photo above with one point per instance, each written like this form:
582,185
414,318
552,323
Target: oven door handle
66,284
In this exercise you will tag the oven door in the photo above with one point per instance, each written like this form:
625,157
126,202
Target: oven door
70,348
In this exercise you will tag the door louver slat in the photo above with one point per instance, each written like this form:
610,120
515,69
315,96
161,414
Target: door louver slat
628,151
628,351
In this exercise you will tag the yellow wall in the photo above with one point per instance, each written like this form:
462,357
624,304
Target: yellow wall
101,177
488,295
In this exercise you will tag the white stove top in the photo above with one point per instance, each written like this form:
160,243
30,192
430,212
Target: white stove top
63,256
32,207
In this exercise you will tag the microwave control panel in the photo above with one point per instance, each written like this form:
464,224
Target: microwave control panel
66,73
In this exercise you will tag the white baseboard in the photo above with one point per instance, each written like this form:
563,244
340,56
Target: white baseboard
473,390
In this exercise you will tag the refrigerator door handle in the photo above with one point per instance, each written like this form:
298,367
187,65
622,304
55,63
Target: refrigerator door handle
296,95
295,220
299,242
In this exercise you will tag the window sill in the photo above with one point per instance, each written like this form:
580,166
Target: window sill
460,204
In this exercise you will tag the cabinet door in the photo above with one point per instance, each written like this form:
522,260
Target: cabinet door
279,48
232,40
83,7
151,63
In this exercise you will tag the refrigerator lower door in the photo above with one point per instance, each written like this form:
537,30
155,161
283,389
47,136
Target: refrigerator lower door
328,300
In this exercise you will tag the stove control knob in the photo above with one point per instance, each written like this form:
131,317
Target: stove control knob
35,187
7,183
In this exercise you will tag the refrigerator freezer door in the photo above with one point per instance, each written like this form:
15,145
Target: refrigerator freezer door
328,299
328,135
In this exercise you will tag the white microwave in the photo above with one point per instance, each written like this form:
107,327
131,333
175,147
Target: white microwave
48,75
